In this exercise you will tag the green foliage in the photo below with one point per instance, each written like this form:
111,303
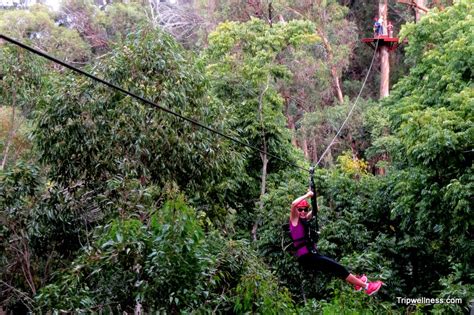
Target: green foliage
376,124
13,125
18,193
17,186
166,264
352,165
37,27
257,47
88,229
440,48
241,62
453,286
240,282
120,19
23,77
84,17
42,227
155,265
354,220
317,101
347,301
321,125
331,21
90,133
433,126
430,115
258,291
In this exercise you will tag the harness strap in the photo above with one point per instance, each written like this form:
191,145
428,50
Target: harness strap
302,244
306,239
314,201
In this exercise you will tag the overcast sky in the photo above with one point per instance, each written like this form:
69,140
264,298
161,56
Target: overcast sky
53,3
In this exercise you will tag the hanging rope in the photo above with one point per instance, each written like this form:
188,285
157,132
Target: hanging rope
353,106
314,200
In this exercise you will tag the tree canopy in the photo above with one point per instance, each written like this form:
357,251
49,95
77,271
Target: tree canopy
108,204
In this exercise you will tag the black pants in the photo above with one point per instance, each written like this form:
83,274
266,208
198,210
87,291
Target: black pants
314,261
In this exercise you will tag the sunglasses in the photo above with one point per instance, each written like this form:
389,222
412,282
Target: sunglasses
302,209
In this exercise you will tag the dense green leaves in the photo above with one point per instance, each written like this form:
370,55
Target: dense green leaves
95,133
243,69
128,208
167,265
38,27
431,117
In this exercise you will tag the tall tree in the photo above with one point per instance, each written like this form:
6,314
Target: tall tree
22,78
333,29
384,54
97,134
241,61
83,16
432,126
317,80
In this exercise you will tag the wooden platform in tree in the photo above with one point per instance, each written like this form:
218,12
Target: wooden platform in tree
384,40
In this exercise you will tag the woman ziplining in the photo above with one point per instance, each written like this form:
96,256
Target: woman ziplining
306,250
300,233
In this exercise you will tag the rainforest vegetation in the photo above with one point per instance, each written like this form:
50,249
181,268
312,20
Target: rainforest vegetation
109,204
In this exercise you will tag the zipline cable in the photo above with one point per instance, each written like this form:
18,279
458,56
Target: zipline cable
192,121
144,100
348,115
353,106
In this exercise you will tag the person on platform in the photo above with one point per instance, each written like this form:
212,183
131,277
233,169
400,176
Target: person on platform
390,29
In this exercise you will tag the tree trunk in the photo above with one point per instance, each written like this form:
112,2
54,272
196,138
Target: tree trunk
419,13
384,67
384,54
337,85
290,119
263,156
383,6
381,170
384,72
22,250
353,147
314,152
11,133
304,144
335,77
291,126
211,7
262,192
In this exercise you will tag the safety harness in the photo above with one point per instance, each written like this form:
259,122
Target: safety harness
308,240
311,236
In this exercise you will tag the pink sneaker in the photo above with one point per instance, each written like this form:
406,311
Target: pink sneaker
373,287
362,278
